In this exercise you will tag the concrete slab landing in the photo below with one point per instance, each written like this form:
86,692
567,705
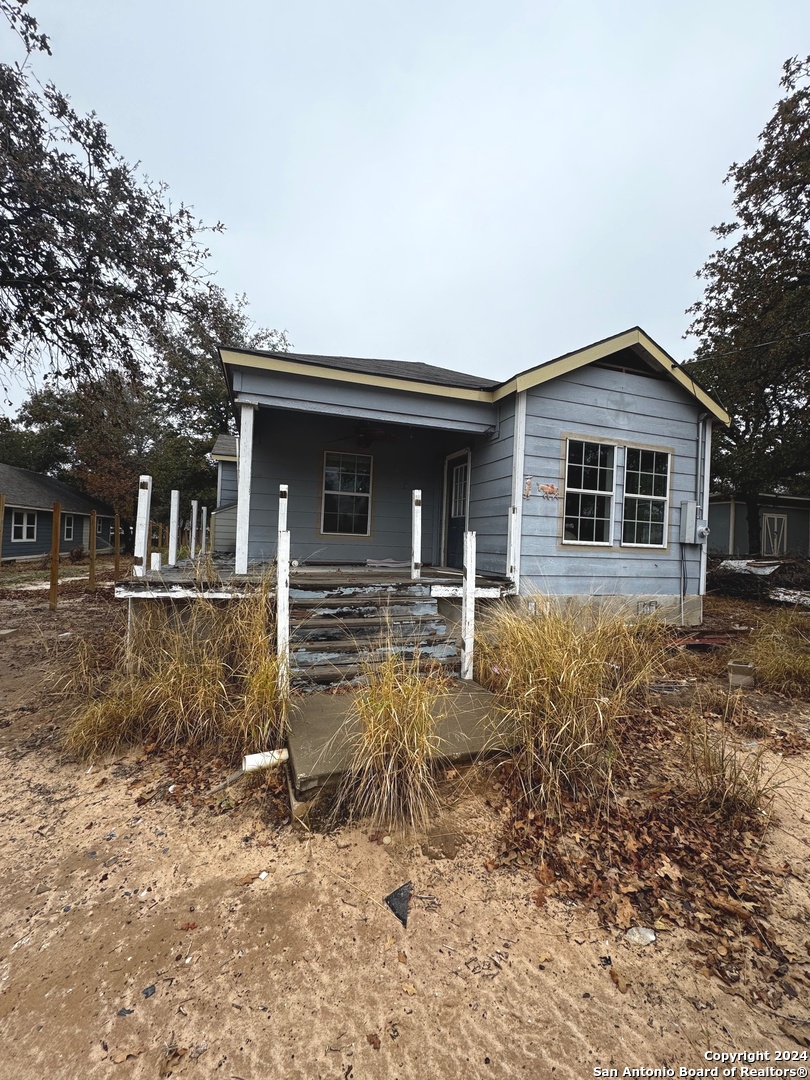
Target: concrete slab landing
322,732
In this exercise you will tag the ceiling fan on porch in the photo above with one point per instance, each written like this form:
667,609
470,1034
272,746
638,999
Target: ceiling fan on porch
366,433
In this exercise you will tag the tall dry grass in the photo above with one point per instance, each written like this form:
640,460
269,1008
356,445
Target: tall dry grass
390,778
202,673
564,681
727,774
779,649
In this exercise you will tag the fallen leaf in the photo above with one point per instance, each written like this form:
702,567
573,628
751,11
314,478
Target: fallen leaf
625,915
490,865
544,874
373,1040
403,959
539,897
248,879
544,958
409,988
620,983
188,926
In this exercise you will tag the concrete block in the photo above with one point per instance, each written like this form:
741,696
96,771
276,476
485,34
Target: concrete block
740,674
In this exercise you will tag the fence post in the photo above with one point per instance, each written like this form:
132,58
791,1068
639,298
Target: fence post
93,535
174,515
416,535
468,607
2,522
193,542
203,527
117,546
283,613
56,528
142,525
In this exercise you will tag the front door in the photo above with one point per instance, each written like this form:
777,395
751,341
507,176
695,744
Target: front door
457,482
774,534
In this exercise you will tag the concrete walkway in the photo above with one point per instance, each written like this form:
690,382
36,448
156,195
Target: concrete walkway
322,734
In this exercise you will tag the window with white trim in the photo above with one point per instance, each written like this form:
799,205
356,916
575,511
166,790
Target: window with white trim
589,486
68,519
646,498
98,526
346,494
23,526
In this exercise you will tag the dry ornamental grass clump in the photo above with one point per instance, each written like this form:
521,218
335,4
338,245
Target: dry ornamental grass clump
564,680
390,778
779,649
201,674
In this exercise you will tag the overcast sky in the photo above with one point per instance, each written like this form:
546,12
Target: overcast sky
477,184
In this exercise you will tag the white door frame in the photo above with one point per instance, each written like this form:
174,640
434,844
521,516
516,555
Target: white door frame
446,499
766,514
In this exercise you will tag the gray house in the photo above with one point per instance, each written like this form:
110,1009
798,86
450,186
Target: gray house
28,517
223,519
784,525
586,475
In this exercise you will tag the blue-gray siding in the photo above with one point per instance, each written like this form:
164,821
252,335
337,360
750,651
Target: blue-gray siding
798,527
491,492
23,549
353,399
289,449
226,488
627,410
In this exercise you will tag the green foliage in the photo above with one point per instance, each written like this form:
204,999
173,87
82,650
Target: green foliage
94,258
753,323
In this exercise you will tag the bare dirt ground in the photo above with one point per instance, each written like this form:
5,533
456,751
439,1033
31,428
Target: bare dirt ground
149,932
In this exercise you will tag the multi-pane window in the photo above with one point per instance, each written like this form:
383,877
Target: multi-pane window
23,526
98,525
588,492
68,526
347,494
458,491
646,497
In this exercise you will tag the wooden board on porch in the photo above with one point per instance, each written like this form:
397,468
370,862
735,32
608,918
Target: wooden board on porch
321,733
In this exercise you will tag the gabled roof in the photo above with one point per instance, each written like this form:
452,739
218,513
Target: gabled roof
28,490
426,379
394,369
224,448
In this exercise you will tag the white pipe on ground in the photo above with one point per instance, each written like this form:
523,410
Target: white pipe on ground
265,759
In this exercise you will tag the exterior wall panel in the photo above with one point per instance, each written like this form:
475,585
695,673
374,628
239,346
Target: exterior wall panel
623,409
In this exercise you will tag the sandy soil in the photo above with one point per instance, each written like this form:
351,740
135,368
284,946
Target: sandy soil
149,933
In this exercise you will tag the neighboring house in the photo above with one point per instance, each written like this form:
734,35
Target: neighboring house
784,525
584,476
223,519
28,518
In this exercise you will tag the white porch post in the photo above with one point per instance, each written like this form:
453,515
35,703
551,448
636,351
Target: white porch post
283,492
416,535
283,612
468,607
707,470
203,527
142,525
193,540
515,523
174,520
243,487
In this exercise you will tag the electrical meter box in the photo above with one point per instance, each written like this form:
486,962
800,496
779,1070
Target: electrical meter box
689,523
